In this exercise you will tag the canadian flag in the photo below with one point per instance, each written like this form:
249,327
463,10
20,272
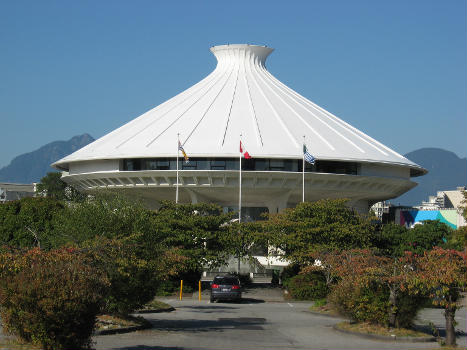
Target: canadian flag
246,155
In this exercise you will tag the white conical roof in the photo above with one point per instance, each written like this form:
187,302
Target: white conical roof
239,97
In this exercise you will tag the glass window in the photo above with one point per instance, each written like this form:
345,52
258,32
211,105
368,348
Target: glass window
132,164
248,164
231,164
294,165
261,164
191,165
163,165
151,164
276,164
202,164
217,164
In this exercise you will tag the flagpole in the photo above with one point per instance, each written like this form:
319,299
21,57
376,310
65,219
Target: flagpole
239,198
240,186
178,155
303,171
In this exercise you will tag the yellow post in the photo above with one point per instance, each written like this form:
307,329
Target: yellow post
181,289
199,294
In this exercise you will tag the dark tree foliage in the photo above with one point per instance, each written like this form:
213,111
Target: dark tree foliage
394,240
198,230
52,186
325,224
424,237
29,222
51,298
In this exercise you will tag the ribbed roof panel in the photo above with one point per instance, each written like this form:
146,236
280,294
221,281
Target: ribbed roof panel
239,97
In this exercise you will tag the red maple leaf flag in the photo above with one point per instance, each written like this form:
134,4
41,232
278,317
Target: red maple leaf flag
245,154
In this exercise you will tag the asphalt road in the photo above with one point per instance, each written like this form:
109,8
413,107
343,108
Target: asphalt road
252,324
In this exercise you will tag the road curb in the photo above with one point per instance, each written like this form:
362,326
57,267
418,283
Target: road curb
123,329
386,338
154,311
323,314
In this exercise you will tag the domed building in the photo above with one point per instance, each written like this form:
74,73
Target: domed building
241,101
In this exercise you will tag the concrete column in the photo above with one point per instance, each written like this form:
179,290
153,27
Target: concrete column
279,204
193,196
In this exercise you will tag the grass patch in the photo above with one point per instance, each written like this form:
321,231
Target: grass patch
368,328
321,306
156,305
14,344
105,322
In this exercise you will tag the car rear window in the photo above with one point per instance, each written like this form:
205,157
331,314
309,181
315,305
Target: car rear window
226,280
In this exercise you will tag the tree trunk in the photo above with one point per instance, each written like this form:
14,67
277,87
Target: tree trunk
392,306
449,314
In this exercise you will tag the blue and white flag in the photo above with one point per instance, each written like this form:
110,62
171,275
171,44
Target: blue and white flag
308,157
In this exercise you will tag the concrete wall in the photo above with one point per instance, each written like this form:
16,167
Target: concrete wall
94,166
381,170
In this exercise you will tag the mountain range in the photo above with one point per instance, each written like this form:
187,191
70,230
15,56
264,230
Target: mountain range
446,170
31,167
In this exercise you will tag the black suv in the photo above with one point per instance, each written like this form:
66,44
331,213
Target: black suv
226,288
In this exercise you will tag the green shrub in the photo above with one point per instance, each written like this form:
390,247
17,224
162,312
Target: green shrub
407,309
320,302
308,286
371,303
362,304
51,298
29,222
134,269
288,272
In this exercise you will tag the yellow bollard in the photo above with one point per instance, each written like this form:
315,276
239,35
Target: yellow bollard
181,289
199,294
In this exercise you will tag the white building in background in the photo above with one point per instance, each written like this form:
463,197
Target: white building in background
240,97
12,191
444,200
381,208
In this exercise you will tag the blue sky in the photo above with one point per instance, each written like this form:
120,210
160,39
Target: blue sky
394,69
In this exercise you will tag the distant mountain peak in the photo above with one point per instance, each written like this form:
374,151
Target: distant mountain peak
32,166
446,171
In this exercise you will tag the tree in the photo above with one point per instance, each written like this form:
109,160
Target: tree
394,240
52,186
463,207
198,230
325,224
51,298
370,287
104,214
458,239
443,273
29,222
135,269
424,237
391,239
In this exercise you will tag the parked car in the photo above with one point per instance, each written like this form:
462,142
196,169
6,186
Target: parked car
225,288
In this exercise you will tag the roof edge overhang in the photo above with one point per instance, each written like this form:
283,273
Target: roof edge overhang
415,170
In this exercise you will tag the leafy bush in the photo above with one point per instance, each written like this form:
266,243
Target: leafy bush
134,268
288,272
51,298
407,309
29,222
308,286
371,303
361,303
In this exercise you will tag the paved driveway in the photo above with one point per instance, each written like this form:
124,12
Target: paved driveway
253,324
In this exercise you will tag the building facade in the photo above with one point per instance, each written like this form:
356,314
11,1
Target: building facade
12,192
241,101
